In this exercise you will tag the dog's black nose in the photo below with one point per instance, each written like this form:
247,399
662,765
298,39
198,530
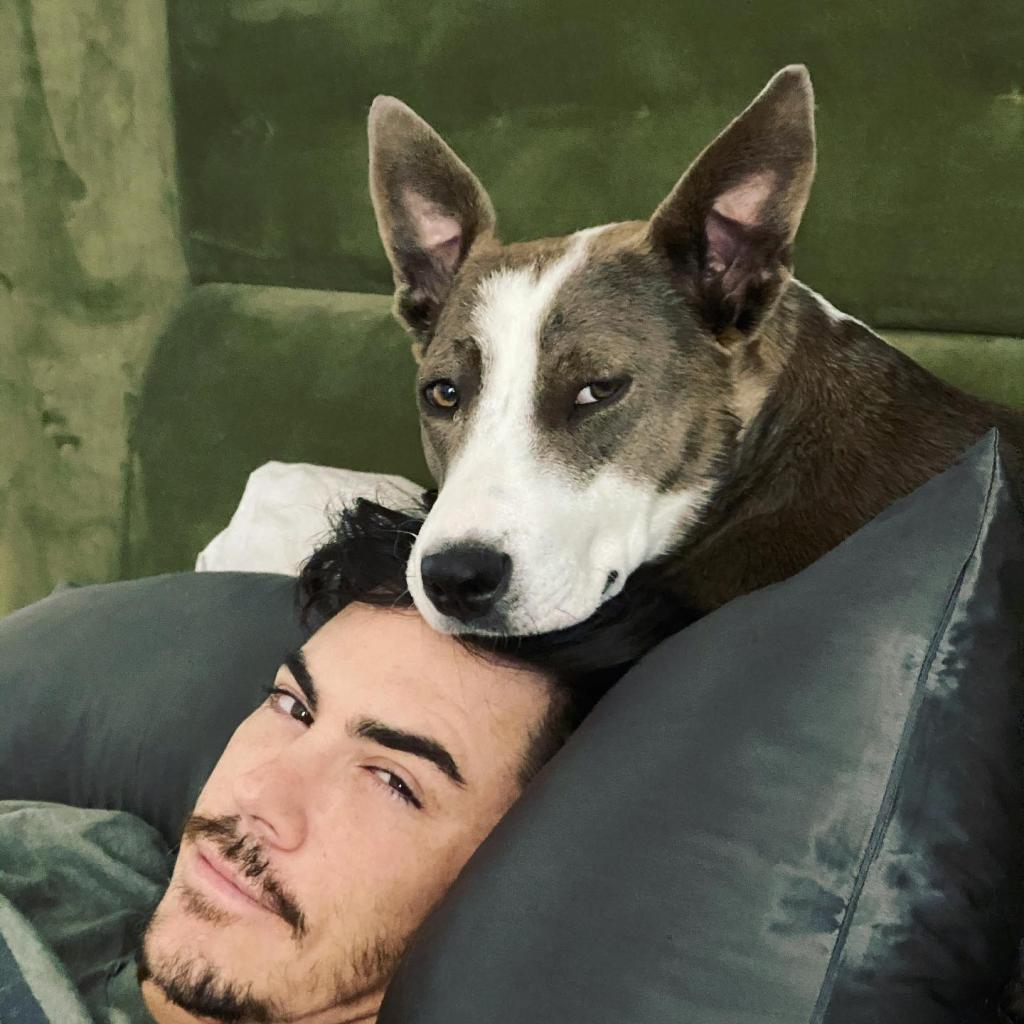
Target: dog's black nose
466,581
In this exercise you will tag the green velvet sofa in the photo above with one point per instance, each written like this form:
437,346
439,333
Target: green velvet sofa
190,278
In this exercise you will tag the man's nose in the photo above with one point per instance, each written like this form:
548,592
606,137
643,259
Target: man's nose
269,798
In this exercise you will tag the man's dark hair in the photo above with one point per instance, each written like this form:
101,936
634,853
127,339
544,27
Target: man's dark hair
364,562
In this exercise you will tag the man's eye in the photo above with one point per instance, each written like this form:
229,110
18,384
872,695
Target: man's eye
287,703
395,785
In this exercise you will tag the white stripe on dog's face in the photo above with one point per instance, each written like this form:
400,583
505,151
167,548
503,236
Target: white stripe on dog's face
565,531
507,322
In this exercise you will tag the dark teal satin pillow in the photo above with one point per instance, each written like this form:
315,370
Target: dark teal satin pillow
807,807
123,696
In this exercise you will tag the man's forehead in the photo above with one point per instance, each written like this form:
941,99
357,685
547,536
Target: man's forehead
398,642
388,663
362,633
395,649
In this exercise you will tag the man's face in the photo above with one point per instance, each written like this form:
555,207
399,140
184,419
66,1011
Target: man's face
338,815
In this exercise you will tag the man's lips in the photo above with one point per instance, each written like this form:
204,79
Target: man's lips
218,875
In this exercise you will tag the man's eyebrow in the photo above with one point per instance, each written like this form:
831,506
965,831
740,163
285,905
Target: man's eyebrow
296,664
410,743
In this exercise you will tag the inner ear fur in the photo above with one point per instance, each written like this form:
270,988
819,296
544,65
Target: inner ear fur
430,211
727,228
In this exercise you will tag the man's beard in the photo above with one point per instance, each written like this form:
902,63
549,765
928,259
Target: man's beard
197,986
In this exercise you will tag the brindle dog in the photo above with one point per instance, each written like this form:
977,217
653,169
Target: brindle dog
652,391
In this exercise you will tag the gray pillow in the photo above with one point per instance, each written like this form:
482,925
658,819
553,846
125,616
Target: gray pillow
123,696
805,807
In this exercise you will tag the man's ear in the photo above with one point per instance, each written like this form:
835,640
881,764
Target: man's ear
430,209
727,227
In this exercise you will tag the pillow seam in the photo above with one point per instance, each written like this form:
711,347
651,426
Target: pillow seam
888,803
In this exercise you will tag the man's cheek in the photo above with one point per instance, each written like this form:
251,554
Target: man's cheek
412,886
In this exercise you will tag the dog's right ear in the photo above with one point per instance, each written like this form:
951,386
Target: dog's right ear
727,227
430,210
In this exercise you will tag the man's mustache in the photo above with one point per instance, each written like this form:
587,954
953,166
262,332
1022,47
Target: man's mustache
247,855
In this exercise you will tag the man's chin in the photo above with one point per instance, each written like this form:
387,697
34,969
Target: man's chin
196,966
227,967
201,958
195,986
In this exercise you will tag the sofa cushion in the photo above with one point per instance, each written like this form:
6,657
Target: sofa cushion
805,807
986,365
249,375
596,110
122,696
246,376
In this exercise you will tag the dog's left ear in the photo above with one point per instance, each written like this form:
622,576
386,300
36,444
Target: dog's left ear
430,209
727,227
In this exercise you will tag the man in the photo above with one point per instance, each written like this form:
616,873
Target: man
344,806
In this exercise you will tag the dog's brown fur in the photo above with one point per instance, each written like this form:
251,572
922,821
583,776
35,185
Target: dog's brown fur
804,422
849,426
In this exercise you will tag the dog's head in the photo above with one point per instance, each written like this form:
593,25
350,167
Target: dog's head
580,396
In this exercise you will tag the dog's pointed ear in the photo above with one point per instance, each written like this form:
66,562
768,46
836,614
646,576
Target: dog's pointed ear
430,209
727,227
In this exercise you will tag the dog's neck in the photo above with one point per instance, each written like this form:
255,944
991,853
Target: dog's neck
831,395
804,388
833,425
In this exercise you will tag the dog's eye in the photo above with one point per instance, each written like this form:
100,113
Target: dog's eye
598,391
442,394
